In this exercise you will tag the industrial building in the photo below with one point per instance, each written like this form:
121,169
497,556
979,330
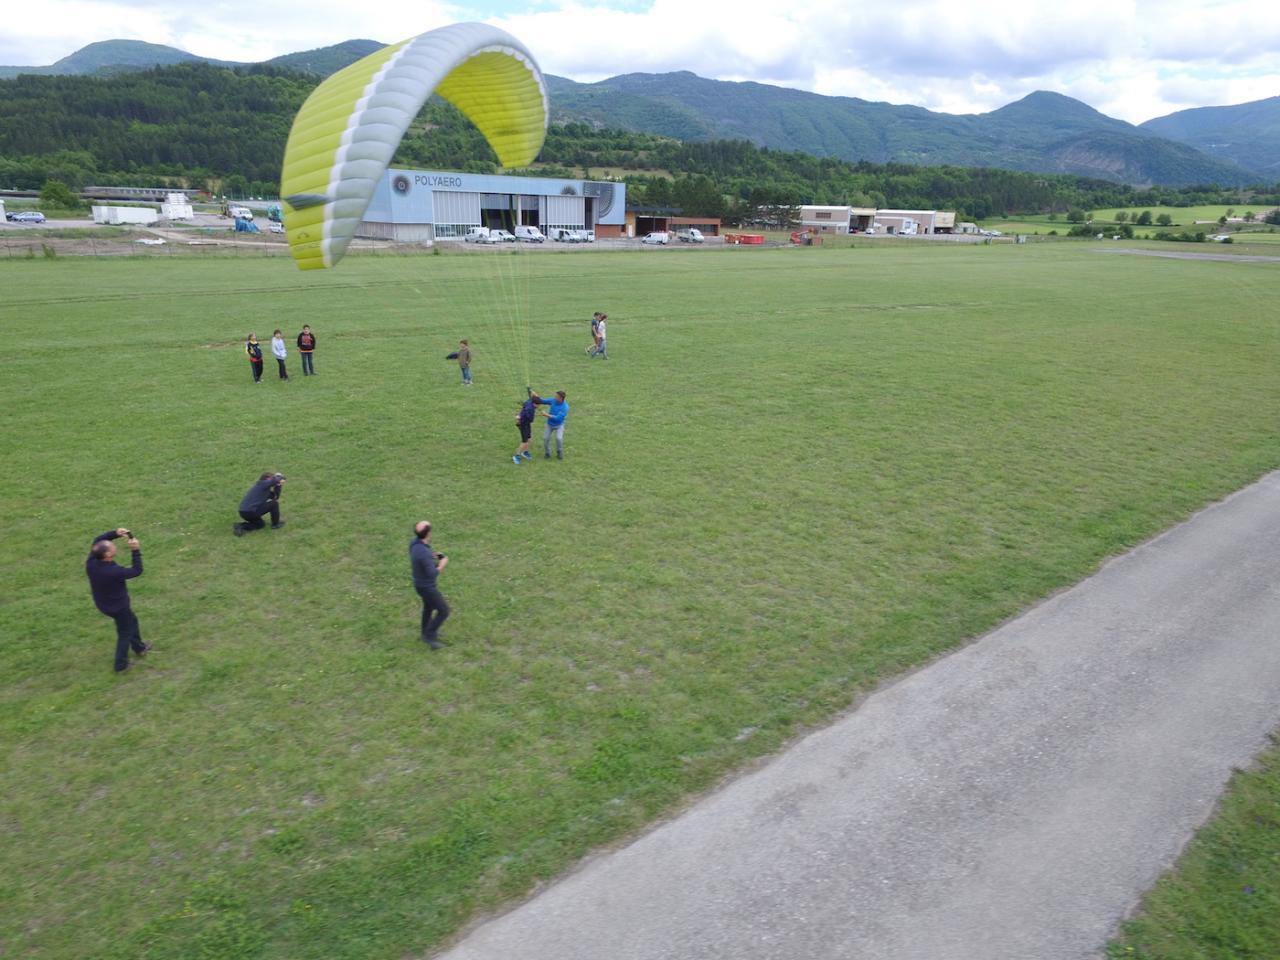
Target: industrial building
424,206
846,219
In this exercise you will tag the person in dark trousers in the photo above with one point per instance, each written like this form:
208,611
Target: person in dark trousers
524,423
263,498
280,352
427,566
254,351
111,593
306,347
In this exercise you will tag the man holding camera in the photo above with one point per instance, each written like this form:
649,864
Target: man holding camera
263,498
111,593
427,566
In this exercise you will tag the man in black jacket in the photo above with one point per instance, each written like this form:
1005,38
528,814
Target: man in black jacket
111,593
427,566
263,498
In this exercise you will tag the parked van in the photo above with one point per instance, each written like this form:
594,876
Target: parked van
657,237
692,235
476,235
529,234
240,213
564,235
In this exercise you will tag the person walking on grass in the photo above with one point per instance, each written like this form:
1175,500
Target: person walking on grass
254,351
524,423
464,361
107,582
279,352
557,410
602,342
427,566
595,333
306,347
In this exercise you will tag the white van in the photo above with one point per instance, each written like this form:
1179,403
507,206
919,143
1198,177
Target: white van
692,235
658,237
476,235
240,213
529,234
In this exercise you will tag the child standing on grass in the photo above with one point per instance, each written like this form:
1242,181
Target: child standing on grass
524,423
307,346
279,352
464,361
254,351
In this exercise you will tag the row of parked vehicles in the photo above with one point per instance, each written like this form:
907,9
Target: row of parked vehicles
662,237
527,234
25,216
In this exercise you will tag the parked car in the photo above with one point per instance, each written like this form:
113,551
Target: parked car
26,216
692,235
476,235
276,226
585,236
529,234
240,213
659,238
501,236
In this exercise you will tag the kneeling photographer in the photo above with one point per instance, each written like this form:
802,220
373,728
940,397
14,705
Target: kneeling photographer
262,499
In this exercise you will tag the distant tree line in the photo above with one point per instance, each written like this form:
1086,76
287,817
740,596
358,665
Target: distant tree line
199,126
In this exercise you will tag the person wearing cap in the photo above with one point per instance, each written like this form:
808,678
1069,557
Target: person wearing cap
524,423
427,566
555,413
107,582
263,498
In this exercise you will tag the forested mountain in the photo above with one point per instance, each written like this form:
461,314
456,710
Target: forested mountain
1044,132
200,126
1248,133
118,56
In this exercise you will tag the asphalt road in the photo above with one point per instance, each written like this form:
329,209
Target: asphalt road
1011,801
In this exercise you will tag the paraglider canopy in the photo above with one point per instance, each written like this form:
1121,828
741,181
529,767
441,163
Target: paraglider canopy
347,131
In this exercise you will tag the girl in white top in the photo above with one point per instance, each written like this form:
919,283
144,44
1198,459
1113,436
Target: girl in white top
279,352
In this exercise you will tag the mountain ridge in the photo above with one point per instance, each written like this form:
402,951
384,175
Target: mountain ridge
1043,132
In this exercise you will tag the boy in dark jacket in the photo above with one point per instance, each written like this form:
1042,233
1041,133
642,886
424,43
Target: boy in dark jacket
254,351
111,592
306,347
524,423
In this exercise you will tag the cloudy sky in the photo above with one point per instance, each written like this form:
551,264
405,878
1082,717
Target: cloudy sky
1132,59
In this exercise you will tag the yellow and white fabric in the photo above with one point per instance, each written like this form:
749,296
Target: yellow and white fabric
347,131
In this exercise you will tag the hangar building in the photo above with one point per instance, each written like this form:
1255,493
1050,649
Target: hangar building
427,205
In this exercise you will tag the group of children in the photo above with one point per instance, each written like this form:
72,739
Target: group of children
306,346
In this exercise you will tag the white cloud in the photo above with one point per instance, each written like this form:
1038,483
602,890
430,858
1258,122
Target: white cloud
1133,59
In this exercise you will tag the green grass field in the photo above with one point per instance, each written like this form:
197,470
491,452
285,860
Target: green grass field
802,471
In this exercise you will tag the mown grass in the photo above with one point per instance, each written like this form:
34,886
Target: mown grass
1222,901
802,471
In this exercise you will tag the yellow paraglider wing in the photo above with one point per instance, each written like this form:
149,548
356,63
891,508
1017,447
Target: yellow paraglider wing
346,133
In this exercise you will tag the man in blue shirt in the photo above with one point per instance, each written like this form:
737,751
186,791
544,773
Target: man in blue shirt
427,566
558,410
111,593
